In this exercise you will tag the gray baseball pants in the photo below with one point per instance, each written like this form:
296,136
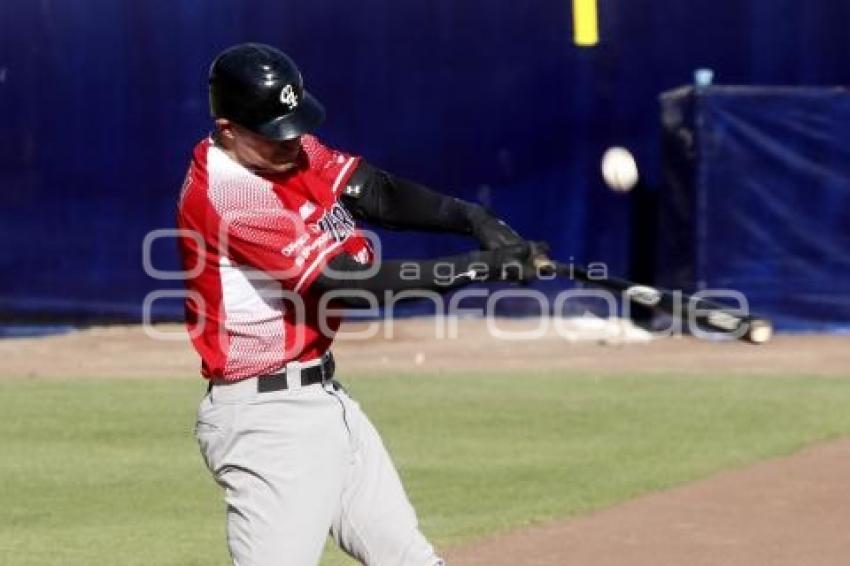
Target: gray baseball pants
299,463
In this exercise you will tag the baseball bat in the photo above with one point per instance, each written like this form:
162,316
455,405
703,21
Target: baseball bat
707,313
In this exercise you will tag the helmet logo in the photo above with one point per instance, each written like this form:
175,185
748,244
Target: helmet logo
288,97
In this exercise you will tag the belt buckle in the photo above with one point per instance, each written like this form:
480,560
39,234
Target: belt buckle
326,368
322,371
293,375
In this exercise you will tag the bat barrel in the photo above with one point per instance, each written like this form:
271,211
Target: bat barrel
753,329
760,330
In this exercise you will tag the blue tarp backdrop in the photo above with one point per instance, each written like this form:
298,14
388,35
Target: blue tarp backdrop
102,101
757,199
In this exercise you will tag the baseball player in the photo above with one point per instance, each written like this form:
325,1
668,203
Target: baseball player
269,218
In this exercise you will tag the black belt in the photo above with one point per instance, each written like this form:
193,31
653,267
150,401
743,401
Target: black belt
309,376
321,373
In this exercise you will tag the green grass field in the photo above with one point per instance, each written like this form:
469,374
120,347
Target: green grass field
107,472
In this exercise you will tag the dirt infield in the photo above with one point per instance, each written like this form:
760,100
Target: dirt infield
127,351
791,511
788,512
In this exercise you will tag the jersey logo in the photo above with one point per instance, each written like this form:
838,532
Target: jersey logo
306,209
362,257
353,191
292,248
288,97
471,274
337,222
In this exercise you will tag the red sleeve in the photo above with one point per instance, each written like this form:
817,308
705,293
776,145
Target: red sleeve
279,243
333,166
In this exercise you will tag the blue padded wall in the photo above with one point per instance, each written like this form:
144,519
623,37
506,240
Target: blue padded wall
757,199
102,101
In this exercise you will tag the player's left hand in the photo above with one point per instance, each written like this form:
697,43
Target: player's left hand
492,232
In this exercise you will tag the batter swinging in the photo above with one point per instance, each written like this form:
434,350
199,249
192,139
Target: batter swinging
269,215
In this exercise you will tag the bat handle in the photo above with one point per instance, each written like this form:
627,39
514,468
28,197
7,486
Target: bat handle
545,266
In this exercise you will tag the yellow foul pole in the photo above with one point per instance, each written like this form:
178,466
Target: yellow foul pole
585,23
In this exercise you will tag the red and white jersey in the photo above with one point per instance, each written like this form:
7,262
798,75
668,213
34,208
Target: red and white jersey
252,246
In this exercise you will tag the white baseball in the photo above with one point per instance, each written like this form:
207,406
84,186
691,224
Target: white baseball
619,169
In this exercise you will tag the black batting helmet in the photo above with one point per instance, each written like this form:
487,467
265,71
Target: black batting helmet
259,87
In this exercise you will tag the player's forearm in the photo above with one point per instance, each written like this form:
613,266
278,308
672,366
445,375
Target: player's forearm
389,201
383,199
353,282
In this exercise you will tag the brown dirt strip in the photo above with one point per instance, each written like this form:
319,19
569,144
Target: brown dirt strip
127,352
787,512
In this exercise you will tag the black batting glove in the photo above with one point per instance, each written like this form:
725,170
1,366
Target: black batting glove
490,231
